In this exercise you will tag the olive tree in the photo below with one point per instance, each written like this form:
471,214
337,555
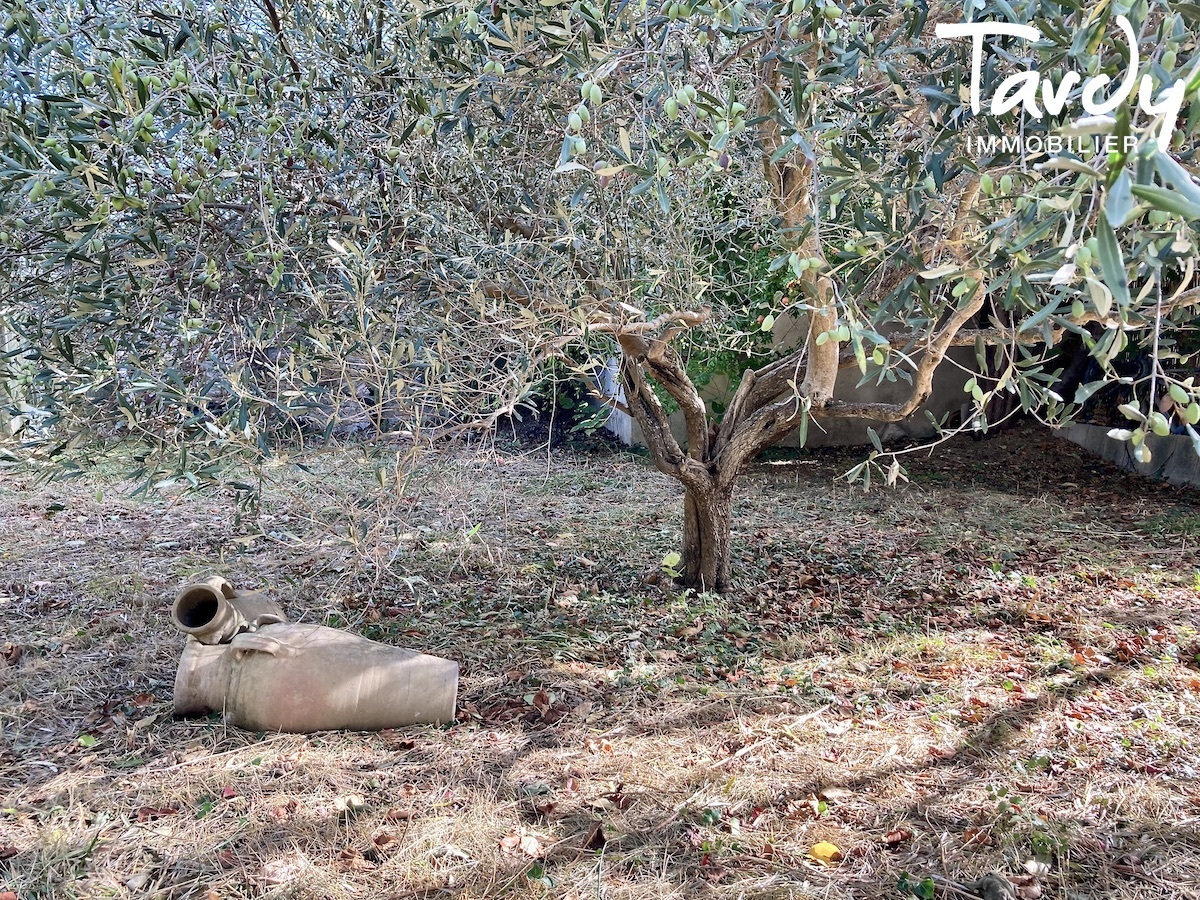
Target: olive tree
908,221
206,251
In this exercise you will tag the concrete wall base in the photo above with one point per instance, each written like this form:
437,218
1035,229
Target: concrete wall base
1172,458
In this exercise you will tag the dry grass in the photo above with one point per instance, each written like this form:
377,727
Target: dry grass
990,669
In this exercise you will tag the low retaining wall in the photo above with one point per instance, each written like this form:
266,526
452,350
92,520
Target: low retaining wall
1172,458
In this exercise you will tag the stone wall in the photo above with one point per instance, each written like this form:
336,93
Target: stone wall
1173,458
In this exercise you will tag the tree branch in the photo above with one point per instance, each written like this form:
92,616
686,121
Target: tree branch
664,367
277,27
791,186
648,413
686,318
935,352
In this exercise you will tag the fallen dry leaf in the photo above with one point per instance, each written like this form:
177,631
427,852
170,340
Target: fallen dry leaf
11,655
1036,866
384,839
284,870
835,793
395,741
399,814
349,804
897,837
976,837
284,811
149,813
8,851
825,852
521,842
352,860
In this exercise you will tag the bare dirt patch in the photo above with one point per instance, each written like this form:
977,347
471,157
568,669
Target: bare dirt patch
992,668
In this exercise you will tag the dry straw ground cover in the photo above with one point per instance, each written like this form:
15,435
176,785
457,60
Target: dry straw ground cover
989,669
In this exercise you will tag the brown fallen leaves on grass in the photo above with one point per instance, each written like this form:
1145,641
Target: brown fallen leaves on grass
523,842
974,673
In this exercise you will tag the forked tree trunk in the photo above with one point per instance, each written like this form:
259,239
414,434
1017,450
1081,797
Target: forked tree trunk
707,514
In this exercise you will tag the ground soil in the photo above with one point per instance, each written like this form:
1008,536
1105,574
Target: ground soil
991,668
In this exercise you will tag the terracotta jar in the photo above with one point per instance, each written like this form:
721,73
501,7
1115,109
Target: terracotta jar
244,660
213,611
303,678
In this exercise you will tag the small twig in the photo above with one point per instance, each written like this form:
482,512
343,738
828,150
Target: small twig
742,752
212,756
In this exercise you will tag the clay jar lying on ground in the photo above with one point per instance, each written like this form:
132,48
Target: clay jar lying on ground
267,674
212,611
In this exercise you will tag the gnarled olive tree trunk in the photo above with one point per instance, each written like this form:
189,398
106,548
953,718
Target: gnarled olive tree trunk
707,521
